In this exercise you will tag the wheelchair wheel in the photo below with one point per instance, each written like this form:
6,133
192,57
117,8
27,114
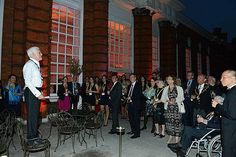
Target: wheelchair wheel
214,147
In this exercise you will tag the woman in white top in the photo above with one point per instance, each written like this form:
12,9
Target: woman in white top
173,97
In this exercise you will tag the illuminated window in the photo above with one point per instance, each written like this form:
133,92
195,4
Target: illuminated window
188,60
119,47
65,42
199,63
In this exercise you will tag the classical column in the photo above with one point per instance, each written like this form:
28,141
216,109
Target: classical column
168,48
142,41
95,57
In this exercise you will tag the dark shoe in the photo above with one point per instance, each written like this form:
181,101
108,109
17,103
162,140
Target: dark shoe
181,153
173,145
155,134
135,136
130,133
153,130
161,136
143,128
111,132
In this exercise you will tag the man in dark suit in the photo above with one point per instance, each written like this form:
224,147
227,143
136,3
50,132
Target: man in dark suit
74,88
114,102
228,113
201,98
188,86
133,98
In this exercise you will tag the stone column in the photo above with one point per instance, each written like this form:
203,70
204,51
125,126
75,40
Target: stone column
142,41
167,49
95,51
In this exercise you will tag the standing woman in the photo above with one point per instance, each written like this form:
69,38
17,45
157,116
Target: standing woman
158,112
104,99
63,93
144,86
13,95
173,97
149,94
91,92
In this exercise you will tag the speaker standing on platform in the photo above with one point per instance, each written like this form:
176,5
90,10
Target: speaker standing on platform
32,93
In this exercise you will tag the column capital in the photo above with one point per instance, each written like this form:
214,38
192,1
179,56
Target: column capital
141,11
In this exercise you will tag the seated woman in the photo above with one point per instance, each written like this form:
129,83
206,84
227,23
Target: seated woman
212,120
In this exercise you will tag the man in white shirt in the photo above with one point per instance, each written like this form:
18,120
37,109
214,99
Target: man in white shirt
32,93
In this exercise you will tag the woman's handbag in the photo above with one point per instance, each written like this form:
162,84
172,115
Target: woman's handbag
181,108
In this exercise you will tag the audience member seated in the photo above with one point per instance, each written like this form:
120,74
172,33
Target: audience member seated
191,133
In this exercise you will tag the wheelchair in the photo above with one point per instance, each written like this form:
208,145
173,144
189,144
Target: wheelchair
214,147
208,143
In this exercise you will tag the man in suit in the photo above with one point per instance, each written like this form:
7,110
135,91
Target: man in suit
188,86
114,102
134,97
33,96
201,98
74,88
228,113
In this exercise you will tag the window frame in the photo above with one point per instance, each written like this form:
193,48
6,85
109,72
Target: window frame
78,38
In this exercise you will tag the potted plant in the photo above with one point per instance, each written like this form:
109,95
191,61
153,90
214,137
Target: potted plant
75,67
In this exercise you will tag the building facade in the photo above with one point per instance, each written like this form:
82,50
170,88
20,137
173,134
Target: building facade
123,36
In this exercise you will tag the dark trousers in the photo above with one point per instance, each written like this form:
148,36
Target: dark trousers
188,115
115,118
32,106
134,119
74,101
190,133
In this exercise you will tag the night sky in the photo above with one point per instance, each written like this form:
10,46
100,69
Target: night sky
213,13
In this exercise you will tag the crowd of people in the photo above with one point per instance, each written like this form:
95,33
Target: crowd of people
176,107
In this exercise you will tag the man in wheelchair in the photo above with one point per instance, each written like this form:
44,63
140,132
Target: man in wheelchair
211,121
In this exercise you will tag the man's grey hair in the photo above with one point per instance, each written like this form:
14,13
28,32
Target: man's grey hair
231,72
32,50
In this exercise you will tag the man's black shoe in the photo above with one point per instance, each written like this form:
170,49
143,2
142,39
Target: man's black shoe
143,128
135,136
181,153
111,132
130,133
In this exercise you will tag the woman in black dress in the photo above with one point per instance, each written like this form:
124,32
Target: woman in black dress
158,111
104,99
91,93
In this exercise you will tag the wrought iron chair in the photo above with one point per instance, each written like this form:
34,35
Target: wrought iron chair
4,139
68,127
93,123
44,145
52,118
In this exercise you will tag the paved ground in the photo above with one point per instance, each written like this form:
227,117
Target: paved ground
145,146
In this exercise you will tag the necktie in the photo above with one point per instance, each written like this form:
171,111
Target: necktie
131,90
74,87
188,84
112,86
200,88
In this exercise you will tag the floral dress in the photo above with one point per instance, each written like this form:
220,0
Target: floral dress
172,115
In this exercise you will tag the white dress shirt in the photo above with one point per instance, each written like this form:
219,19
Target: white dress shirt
200,88
32,76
